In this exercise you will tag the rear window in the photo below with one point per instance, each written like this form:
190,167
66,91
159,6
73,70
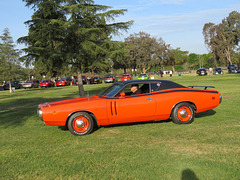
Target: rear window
158,86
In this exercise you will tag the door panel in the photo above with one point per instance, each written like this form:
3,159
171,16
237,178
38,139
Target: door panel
131,109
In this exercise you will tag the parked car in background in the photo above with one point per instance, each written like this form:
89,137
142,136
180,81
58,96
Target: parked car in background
217,71
21,82
233,69
15,84
157,100
84,80
70,79
109,79
143,76
126,77
30,84
46,83
202,72
95,80
62,82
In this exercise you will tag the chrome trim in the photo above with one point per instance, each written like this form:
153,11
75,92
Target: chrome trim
39,112
80,123
183,113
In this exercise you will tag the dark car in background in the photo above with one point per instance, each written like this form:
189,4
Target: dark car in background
202,72
30,84
109,79
233,69
217,71
84,80
15,84
95,80
46,83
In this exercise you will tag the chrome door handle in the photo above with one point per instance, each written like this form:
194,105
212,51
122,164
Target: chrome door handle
149,98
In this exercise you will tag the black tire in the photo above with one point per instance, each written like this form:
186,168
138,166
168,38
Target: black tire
80,124
183,113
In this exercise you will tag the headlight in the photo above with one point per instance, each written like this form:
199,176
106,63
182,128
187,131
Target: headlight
40,114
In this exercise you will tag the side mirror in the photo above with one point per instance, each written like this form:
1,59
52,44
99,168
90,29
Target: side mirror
122,95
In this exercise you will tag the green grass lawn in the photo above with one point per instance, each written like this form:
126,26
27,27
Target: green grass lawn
209,148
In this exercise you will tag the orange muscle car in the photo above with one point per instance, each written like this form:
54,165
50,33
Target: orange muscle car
130,101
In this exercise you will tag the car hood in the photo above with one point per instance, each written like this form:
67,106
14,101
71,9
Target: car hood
69,101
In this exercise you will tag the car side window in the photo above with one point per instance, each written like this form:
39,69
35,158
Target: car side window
126,90
144,88
156,86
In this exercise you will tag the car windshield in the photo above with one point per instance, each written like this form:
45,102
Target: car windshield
112,90
142,75
109,76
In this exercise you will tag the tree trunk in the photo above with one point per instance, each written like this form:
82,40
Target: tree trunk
10,87
125,70
92,73
80,82
145,69
228,55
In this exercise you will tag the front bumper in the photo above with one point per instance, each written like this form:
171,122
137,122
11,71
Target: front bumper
39,112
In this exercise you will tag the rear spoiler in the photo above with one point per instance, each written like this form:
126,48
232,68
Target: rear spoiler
205,87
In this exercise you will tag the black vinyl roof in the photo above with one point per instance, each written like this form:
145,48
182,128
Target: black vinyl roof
166,83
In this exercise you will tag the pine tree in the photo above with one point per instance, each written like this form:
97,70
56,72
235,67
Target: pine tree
89,34
10,65
76,32
45,39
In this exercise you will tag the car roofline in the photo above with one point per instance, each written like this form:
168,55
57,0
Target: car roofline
142,81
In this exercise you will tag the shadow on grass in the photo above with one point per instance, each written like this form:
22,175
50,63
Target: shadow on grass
205,114
138,123
199,115
16,112
188,174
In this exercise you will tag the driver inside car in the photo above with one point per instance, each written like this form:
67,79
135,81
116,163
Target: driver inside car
135,89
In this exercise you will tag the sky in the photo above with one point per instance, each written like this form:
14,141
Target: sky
178,22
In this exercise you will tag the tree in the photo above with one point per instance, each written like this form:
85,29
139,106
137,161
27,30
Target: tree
177,57
10,68
120,55
75,32
193,60
89,33
45,39
145,51
223,39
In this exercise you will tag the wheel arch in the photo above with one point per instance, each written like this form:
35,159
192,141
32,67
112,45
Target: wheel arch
89,112
190,102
